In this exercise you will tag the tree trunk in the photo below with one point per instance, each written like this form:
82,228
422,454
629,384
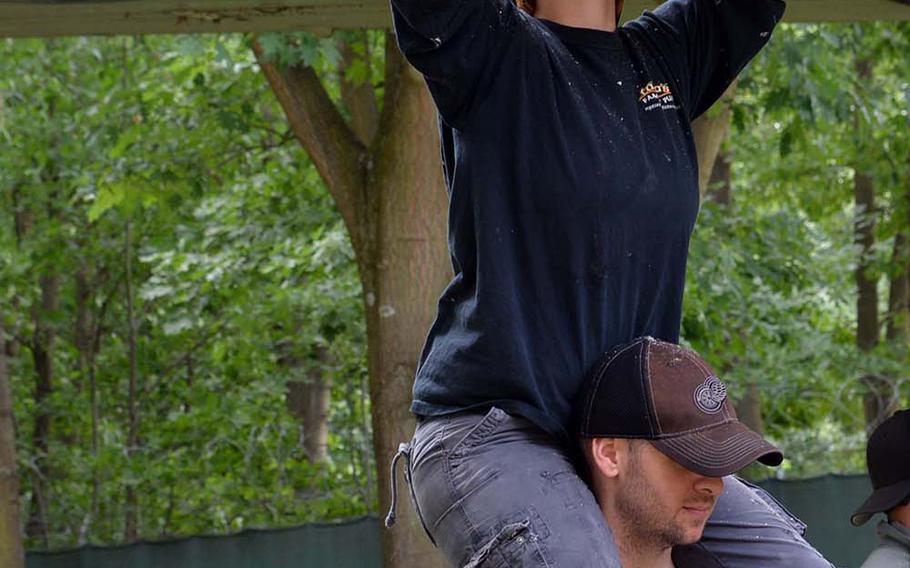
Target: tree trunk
748,409
899,292
308,400
82,340
86,336
867,330
710,131
82,328
720,188
879,392
131,524
411,268
366,449
96,472
11,551
42,347
902,317
359,98
898,319
391,195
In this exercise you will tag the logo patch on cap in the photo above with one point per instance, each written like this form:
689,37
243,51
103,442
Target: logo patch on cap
710,395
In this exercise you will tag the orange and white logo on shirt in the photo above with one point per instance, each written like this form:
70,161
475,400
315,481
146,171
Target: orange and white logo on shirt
657,97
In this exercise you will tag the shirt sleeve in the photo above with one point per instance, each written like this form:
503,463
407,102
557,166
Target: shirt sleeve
456,45
707,43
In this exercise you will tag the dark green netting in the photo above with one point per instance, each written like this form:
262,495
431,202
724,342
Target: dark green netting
346,545
824,503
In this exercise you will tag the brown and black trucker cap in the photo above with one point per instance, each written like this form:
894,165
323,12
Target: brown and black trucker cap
668,395
888,459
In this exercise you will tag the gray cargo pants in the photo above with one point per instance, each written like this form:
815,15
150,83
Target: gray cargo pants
494,491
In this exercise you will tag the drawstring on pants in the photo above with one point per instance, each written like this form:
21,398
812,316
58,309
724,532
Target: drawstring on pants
403,450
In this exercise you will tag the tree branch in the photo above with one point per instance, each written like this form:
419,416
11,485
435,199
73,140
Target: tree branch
710,131
395,65
359,99
339,157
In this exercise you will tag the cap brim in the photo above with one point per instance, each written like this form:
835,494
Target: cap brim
882,500
719,451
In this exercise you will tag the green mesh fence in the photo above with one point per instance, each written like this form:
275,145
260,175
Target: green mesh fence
353,544
824,503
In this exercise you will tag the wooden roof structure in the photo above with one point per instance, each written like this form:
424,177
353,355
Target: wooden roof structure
48,18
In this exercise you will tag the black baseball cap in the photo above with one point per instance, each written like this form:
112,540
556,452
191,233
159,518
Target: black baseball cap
888,458
668,395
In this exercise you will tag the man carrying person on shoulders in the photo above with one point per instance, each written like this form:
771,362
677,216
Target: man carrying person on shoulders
659,436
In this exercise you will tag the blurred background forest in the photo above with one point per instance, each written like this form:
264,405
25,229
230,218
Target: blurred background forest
182,323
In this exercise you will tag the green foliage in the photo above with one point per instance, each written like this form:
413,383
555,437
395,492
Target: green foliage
300,49
365,63
239,259
771,293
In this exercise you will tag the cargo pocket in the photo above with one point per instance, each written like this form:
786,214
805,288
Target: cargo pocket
516,545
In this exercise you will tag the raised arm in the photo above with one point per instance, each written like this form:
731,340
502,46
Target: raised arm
708,42
456,44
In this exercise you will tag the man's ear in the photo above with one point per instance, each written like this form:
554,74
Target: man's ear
604,454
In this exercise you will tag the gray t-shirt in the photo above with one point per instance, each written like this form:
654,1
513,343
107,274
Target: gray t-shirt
894,548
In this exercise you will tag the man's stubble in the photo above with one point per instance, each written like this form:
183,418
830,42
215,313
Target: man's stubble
645,518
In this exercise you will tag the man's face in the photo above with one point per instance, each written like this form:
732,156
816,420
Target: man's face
662,501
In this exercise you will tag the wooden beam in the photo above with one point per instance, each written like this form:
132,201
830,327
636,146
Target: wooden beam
47,18
848,10
24,18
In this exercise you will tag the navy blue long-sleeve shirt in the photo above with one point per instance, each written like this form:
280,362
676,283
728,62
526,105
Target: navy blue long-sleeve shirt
573,186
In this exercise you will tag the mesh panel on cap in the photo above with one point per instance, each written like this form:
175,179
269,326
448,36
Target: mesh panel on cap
616,398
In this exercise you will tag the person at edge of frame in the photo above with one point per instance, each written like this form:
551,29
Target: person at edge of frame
659,435
888,460
573,191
